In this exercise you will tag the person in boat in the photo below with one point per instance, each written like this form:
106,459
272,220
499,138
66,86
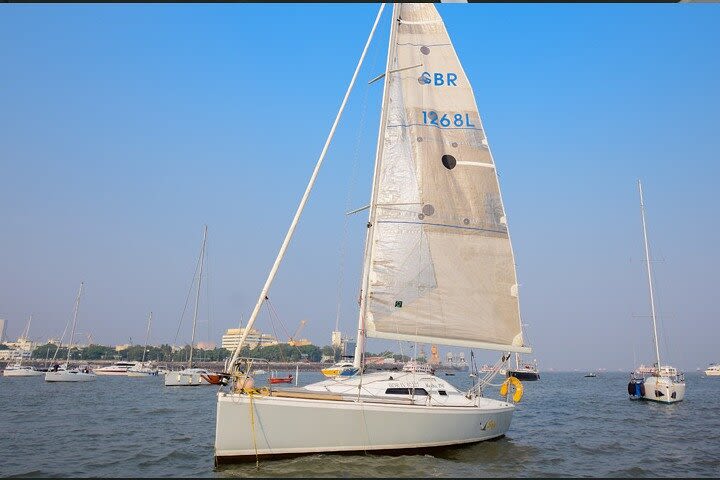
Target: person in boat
55,367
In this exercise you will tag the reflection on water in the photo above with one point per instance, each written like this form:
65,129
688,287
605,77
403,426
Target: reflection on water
566,425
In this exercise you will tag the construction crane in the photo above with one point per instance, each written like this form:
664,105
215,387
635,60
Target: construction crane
294,338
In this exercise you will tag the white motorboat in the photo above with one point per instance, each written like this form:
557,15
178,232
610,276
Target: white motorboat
438,268
713,370
664,384
118,369
64,373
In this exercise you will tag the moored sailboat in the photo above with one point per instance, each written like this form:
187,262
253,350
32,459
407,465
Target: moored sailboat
63,373
190,376
18,369
142,369
438,268
663,383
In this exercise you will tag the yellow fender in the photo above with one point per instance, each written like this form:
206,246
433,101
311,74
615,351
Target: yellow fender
517,386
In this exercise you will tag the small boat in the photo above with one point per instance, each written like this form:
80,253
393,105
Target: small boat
449,374
187,378
192,376
287,379
524,371
63,373
260,372
340,369
141,370
418,367
713,370
119,369
591,375
19,370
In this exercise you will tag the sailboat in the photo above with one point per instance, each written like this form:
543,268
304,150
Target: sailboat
524,370
18,369
664,384
190,376
438,269
63,373
141,369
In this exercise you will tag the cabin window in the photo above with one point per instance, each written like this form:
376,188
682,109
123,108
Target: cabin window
405,391
442,392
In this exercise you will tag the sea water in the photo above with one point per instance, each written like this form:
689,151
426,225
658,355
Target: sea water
565,425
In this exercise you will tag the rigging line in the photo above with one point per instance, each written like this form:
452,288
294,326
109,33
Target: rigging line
187,298
348,199
306,195
282,324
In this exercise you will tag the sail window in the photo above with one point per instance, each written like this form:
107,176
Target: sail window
428,210
454,144
449,161
466,221
424,50
419,139
406,391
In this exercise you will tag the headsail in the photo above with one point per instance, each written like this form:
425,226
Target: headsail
439,263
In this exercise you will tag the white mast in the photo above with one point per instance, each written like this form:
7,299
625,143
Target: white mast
303,201
197,297
147,337
360,342
650,284
75,312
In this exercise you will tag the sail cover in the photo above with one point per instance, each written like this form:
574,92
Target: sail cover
439,261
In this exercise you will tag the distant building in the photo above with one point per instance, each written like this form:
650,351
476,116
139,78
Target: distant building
3,325
120,348
206,345
232,337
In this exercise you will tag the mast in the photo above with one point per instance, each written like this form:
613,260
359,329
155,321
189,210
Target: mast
197,298
303,201
649,273
147,337
72,334
360,341
25,335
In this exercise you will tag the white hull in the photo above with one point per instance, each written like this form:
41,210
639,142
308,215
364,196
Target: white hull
111,373
663,390
184,379
22,372
65,376
712,372
302,426
141,374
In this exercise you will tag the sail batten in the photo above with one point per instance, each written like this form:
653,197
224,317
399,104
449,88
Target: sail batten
440,265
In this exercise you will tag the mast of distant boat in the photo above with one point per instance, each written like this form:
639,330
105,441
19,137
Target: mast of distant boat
197,298
147,337
649,273
72,333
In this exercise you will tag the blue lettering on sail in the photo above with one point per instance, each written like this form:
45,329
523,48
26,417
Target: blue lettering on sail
438,79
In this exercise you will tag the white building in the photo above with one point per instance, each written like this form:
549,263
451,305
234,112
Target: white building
232,337
3,324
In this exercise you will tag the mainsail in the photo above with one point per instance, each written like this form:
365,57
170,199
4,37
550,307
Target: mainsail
439,263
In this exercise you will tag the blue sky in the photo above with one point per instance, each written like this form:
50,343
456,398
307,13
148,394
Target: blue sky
125,128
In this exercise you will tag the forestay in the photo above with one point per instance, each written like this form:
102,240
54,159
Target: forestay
439,260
